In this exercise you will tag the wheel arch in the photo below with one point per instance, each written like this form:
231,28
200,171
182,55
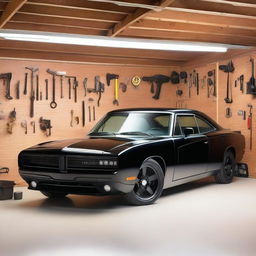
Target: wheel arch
159,160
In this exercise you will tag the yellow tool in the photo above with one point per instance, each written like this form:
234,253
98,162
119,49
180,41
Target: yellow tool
115,102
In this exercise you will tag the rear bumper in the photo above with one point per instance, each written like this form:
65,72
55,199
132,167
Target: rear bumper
82,184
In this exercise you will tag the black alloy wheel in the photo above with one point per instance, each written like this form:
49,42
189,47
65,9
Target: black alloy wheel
149,185
225,175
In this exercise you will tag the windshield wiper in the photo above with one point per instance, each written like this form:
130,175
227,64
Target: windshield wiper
102,133
135,133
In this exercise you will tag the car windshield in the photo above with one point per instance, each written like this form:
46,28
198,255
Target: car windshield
134,124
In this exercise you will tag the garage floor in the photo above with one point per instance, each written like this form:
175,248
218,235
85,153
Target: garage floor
201,218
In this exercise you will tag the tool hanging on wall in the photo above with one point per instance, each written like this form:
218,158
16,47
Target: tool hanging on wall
7,77
228,113
99,88
93,113
11,121
45,126
25,84
110,77
33,124
229,68
72,117
75,85
242,113
197,83
32,91
83,113
37,87
249,123
41,96
212,74
17,90
159,80
90,114
76,119
69,88
46,89
85,85
251,84
183,77
241,80
136,80
24,125
123,86
62,75
175,77
190,84
116,96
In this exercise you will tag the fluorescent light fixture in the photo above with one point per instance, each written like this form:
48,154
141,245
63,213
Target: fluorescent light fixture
103,41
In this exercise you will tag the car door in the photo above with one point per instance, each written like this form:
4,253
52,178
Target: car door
191,150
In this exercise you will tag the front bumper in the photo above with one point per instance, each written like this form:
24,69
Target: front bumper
82,184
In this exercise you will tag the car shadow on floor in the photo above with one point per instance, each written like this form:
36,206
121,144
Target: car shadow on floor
101,204
188,186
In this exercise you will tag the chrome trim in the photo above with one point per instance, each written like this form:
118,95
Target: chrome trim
82,150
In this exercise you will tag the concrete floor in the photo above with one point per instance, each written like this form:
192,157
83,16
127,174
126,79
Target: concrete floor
201,218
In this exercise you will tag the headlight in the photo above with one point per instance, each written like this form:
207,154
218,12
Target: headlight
108,162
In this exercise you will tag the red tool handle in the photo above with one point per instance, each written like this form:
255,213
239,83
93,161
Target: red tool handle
249,122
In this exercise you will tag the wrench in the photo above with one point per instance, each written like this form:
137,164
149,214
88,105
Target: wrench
53,103
25,84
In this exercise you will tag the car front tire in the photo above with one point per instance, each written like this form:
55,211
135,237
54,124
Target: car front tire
226,174
149,186
54,194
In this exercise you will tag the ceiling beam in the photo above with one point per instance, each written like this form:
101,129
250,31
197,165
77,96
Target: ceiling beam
137,15
204,19
190,27
190,36
69,13
221,7
11,8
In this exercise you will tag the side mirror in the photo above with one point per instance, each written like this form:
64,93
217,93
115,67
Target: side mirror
187,131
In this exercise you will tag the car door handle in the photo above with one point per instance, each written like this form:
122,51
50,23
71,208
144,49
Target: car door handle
206,142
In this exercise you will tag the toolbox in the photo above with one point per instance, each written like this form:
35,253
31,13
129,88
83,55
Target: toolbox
6,186
6,189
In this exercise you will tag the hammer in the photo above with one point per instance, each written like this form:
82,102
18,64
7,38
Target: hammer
109,77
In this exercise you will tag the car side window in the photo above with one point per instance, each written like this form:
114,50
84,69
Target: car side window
203,125
185,121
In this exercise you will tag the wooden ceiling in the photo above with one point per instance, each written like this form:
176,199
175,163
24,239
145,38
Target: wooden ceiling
212,21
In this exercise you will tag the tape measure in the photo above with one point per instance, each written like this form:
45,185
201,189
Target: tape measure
136,81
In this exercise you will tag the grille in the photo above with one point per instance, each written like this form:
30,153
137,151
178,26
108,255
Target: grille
42,161
69,164
85,162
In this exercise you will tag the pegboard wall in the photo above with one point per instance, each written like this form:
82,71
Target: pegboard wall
201,98
12,144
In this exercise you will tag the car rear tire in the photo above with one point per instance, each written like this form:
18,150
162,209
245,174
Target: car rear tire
54,194
226,174
149,186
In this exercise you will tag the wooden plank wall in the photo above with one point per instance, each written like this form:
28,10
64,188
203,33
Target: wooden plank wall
12,144
134,97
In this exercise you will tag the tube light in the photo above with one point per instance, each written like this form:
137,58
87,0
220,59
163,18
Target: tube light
104,41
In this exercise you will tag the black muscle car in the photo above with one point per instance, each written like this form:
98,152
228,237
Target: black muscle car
135,152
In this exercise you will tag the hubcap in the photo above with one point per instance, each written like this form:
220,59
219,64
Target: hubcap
147,184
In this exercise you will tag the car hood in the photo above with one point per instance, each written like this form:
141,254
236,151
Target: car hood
91,145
